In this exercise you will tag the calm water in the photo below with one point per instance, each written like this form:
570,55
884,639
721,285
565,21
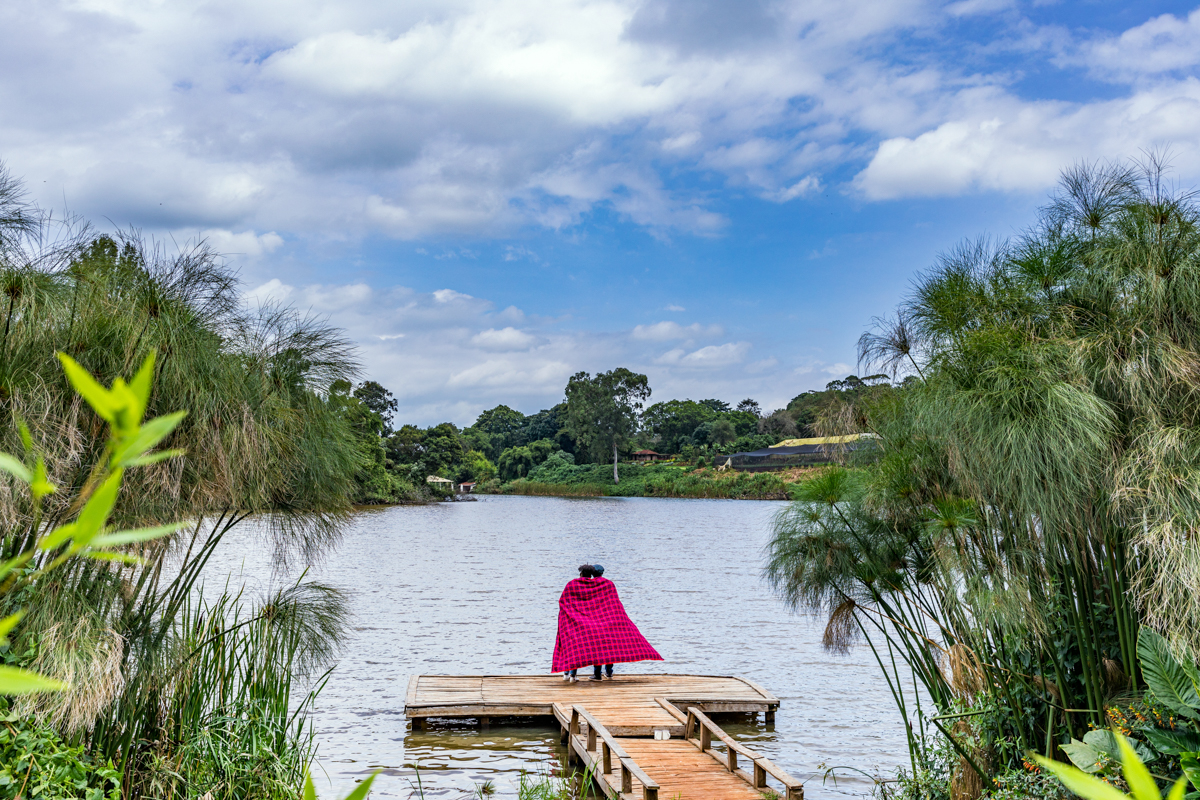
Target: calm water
472,588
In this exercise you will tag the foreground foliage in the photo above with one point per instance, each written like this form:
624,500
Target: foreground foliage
1033,503
260,437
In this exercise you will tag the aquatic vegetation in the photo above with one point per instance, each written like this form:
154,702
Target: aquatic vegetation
259,437
1028,513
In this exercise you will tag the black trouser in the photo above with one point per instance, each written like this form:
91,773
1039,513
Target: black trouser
608,669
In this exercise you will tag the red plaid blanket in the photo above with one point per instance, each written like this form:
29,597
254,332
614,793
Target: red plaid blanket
593,628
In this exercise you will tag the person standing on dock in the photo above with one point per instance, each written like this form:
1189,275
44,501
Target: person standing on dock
593,628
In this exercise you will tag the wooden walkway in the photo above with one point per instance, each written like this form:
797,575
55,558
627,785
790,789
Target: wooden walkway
642,735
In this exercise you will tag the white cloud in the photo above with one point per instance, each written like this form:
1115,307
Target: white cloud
1005,145
667,330
424,118
715,356
1162,44
447,355
674,307
504,339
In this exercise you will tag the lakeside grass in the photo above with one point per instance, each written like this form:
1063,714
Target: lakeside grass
657,480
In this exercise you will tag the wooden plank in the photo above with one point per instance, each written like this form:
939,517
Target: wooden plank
769,697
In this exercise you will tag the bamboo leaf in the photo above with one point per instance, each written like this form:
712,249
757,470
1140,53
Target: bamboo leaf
95,512
1136,775
150,435
1165,676
22,681
141,384
7,624
41,486
99,398
309,792
153,458
1080,782
105,555
363,788
56,537
15,468
137,535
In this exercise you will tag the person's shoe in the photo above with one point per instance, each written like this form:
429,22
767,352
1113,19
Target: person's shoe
596,678
567,677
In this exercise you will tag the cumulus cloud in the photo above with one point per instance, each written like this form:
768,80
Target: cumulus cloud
447,355
504,339
1163,44
1004,145
667,330
426,118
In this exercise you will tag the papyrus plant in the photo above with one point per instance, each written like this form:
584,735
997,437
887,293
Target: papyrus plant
130,443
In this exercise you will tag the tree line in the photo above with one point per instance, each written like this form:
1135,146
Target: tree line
603,418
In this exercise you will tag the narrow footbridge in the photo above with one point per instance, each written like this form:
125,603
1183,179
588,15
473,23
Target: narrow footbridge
642,736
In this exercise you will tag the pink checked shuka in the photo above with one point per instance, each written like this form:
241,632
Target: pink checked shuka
593,628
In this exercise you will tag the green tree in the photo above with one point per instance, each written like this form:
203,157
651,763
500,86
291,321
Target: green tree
674,422
750,406
602,412
515,462
722,432
380,401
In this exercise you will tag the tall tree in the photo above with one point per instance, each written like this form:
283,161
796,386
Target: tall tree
602,412
379,400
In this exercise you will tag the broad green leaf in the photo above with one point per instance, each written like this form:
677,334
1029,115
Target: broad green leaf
22,681
7,624
363,788
137,535
1191,768
95,512
1136,775
1165,676
1081,783
15,468
150,435
1106,742
153,458
1172,742
99,398
1085,756
310,793
1177,790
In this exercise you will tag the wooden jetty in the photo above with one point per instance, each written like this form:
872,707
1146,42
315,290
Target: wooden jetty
642,735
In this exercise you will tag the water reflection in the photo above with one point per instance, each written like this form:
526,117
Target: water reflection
472,588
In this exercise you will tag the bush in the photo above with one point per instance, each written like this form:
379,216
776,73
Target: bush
34,762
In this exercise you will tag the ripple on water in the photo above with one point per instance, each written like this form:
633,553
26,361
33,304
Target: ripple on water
472,588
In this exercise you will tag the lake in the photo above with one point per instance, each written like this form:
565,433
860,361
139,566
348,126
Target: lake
472,588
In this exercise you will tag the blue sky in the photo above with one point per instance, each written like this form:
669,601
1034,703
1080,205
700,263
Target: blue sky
490,196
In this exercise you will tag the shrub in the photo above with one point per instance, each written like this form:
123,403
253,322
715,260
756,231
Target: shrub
35,762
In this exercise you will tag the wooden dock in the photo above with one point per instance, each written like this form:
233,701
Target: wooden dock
642,735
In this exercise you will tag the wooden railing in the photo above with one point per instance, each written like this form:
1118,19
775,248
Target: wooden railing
700,731
610,750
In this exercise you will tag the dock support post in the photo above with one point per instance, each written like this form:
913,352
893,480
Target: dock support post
769,716
418,723
605,759
760,776
485,723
